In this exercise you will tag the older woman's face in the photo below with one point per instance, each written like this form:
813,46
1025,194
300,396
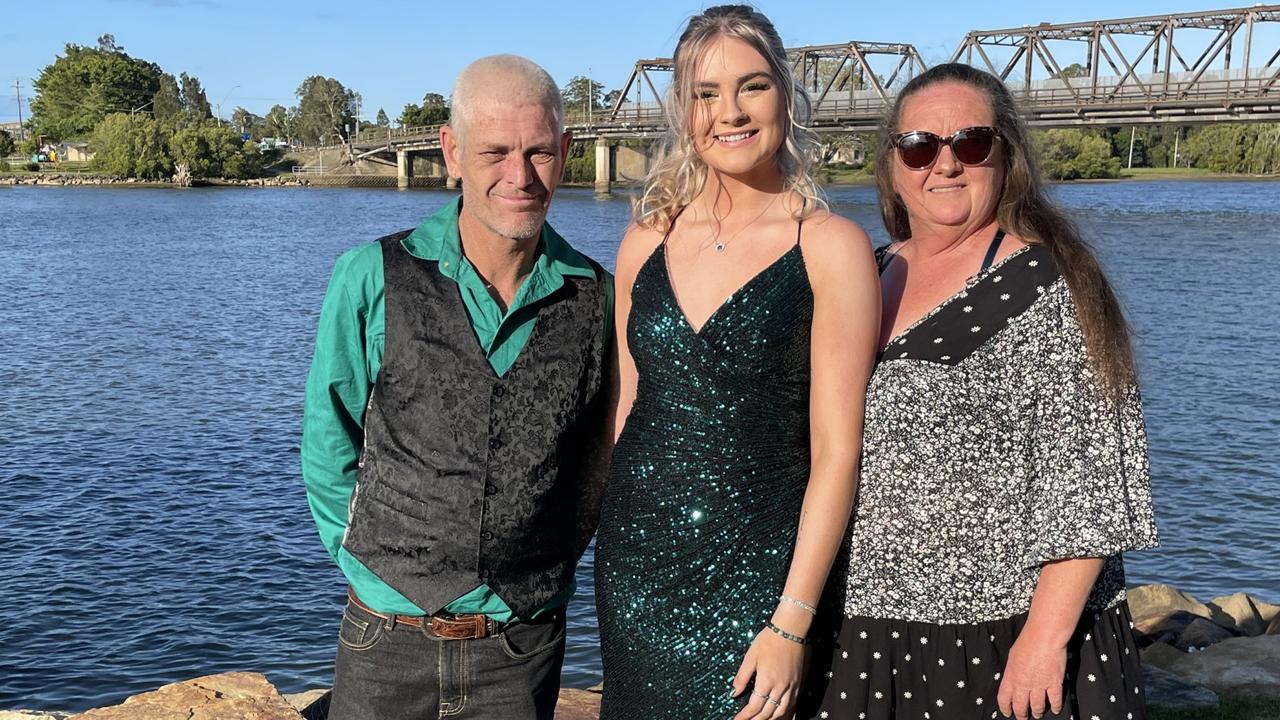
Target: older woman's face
948,197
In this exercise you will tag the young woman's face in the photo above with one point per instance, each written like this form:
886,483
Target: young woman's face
736,109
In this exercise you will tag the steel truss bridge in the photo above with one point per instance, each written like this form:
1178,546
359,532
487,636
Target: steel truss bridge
1128,71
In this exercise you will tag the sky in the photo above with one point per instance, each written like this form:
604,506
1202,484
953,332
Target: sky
255,54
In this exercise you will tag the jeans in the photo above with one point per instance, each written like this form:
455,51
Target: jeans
392,671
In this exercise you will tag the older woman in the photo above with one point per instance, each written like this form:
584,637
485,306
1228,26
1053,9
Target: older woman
1004,462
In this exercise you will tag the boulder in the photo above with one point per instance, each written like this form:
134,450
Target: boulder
1242,614
1274,627
229,696
1152,604
1160,655
312,704
1237,666
1200,634
577,704
1166,689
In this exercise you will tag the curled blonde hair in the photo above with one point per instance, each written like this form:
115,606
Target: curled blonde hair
678,174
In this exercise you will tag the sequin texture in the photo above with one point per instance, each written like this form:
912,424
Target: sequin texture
704,495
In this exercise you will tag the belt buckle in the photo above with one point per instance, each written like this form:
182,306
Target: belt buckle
469,627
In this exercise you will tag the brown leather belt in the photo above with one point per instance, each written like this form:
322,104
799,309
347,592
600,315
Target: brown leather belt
446,627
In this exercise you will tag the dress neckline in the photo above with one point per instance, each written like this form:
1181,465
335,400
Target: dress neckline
968,285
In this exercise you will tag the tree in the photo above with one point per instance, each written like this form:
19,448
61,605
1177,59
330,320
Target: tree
1235,148
581,96
244,121
277,122
81,87
195,106
131,146
325,109
7,146
166,104
107,44
383,120
1072,154
433,111
216,151
611,99
1074,70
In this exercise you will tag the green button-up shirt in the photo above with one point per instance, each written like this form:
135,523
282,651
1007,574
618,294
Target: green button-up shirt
349,344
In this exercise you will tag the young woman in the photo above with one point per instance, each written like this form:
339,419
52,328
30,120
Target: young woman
747,317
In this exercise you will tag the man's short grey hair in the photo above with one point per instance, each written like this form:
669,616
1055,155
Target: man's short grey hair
508,78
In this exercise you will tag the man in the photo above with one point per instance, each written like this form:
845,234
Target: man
454,425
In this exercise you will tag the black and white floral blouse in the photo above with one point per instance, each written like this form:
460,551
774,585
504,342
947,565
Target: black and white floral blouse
989,449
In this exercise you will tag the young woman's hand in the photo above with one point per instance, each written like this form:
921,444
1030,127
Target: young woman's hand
771,671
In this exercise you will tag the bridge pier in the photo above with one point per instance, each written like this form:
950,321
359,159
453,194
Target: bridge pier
404,168
606,154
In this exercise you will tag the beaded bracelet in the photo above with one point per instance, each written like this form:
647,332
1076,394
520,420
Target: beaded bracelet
786,635
801,604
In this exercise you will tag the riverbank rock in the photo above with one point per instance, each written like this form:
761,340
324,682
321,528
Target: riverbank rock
1238,666
578,705
32,715
228,696
1152,605
1168,690
1244,614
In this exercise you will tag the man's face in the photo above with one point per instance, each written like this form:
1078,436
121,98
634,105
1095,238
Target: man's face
510,158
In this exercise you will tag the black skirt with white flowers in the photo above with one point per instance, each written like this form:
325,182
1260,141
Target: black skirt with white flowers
990,448
875,669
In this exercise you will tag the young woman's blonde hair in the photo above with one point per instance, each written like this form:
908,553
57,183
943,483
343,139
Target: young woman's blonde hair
679,174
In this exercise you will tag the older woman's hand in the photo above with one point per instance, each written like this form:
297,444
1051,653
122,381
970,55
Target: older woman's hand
1033,678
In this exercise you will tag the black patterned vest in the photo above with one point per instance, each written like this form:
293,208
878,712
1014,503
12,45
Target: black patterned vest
466,477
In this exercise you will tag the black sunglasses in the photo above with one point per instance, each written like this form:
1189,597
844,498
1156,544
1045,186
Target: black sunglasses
919,149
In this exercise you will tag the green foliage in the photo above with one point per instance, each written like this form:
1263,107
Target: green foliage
84,85
29,147
7,146
278,123
1235,148
580,165
195,106
581,96
383,120
131,146
325,109
243,121
432,111
1075,154
212,150
166,104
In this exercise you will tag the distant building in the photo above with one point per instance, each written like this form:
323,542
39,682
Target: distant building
13,128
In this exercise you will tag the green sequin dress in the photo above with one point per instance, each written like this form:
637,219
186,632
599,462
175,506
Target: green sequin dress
700,515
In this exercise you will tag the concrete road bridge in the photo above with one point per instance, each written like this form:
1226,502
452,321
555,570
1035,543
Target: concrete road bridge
1128,71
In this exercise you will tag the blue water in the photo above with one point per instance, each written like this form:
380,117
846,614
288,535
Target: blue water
153,525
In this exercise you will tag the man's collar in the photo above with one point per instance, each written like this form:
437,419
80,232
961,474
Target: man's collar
437,239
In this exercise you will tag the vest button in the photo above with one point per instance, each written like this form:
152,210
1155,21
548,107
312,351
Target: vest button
491,489
495,444
499,391
486,535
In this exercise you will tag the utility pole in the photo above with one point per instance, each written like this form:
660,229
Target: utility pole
17,86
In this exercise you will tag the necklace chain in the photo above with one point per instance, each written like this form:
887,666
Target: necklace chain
721,245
